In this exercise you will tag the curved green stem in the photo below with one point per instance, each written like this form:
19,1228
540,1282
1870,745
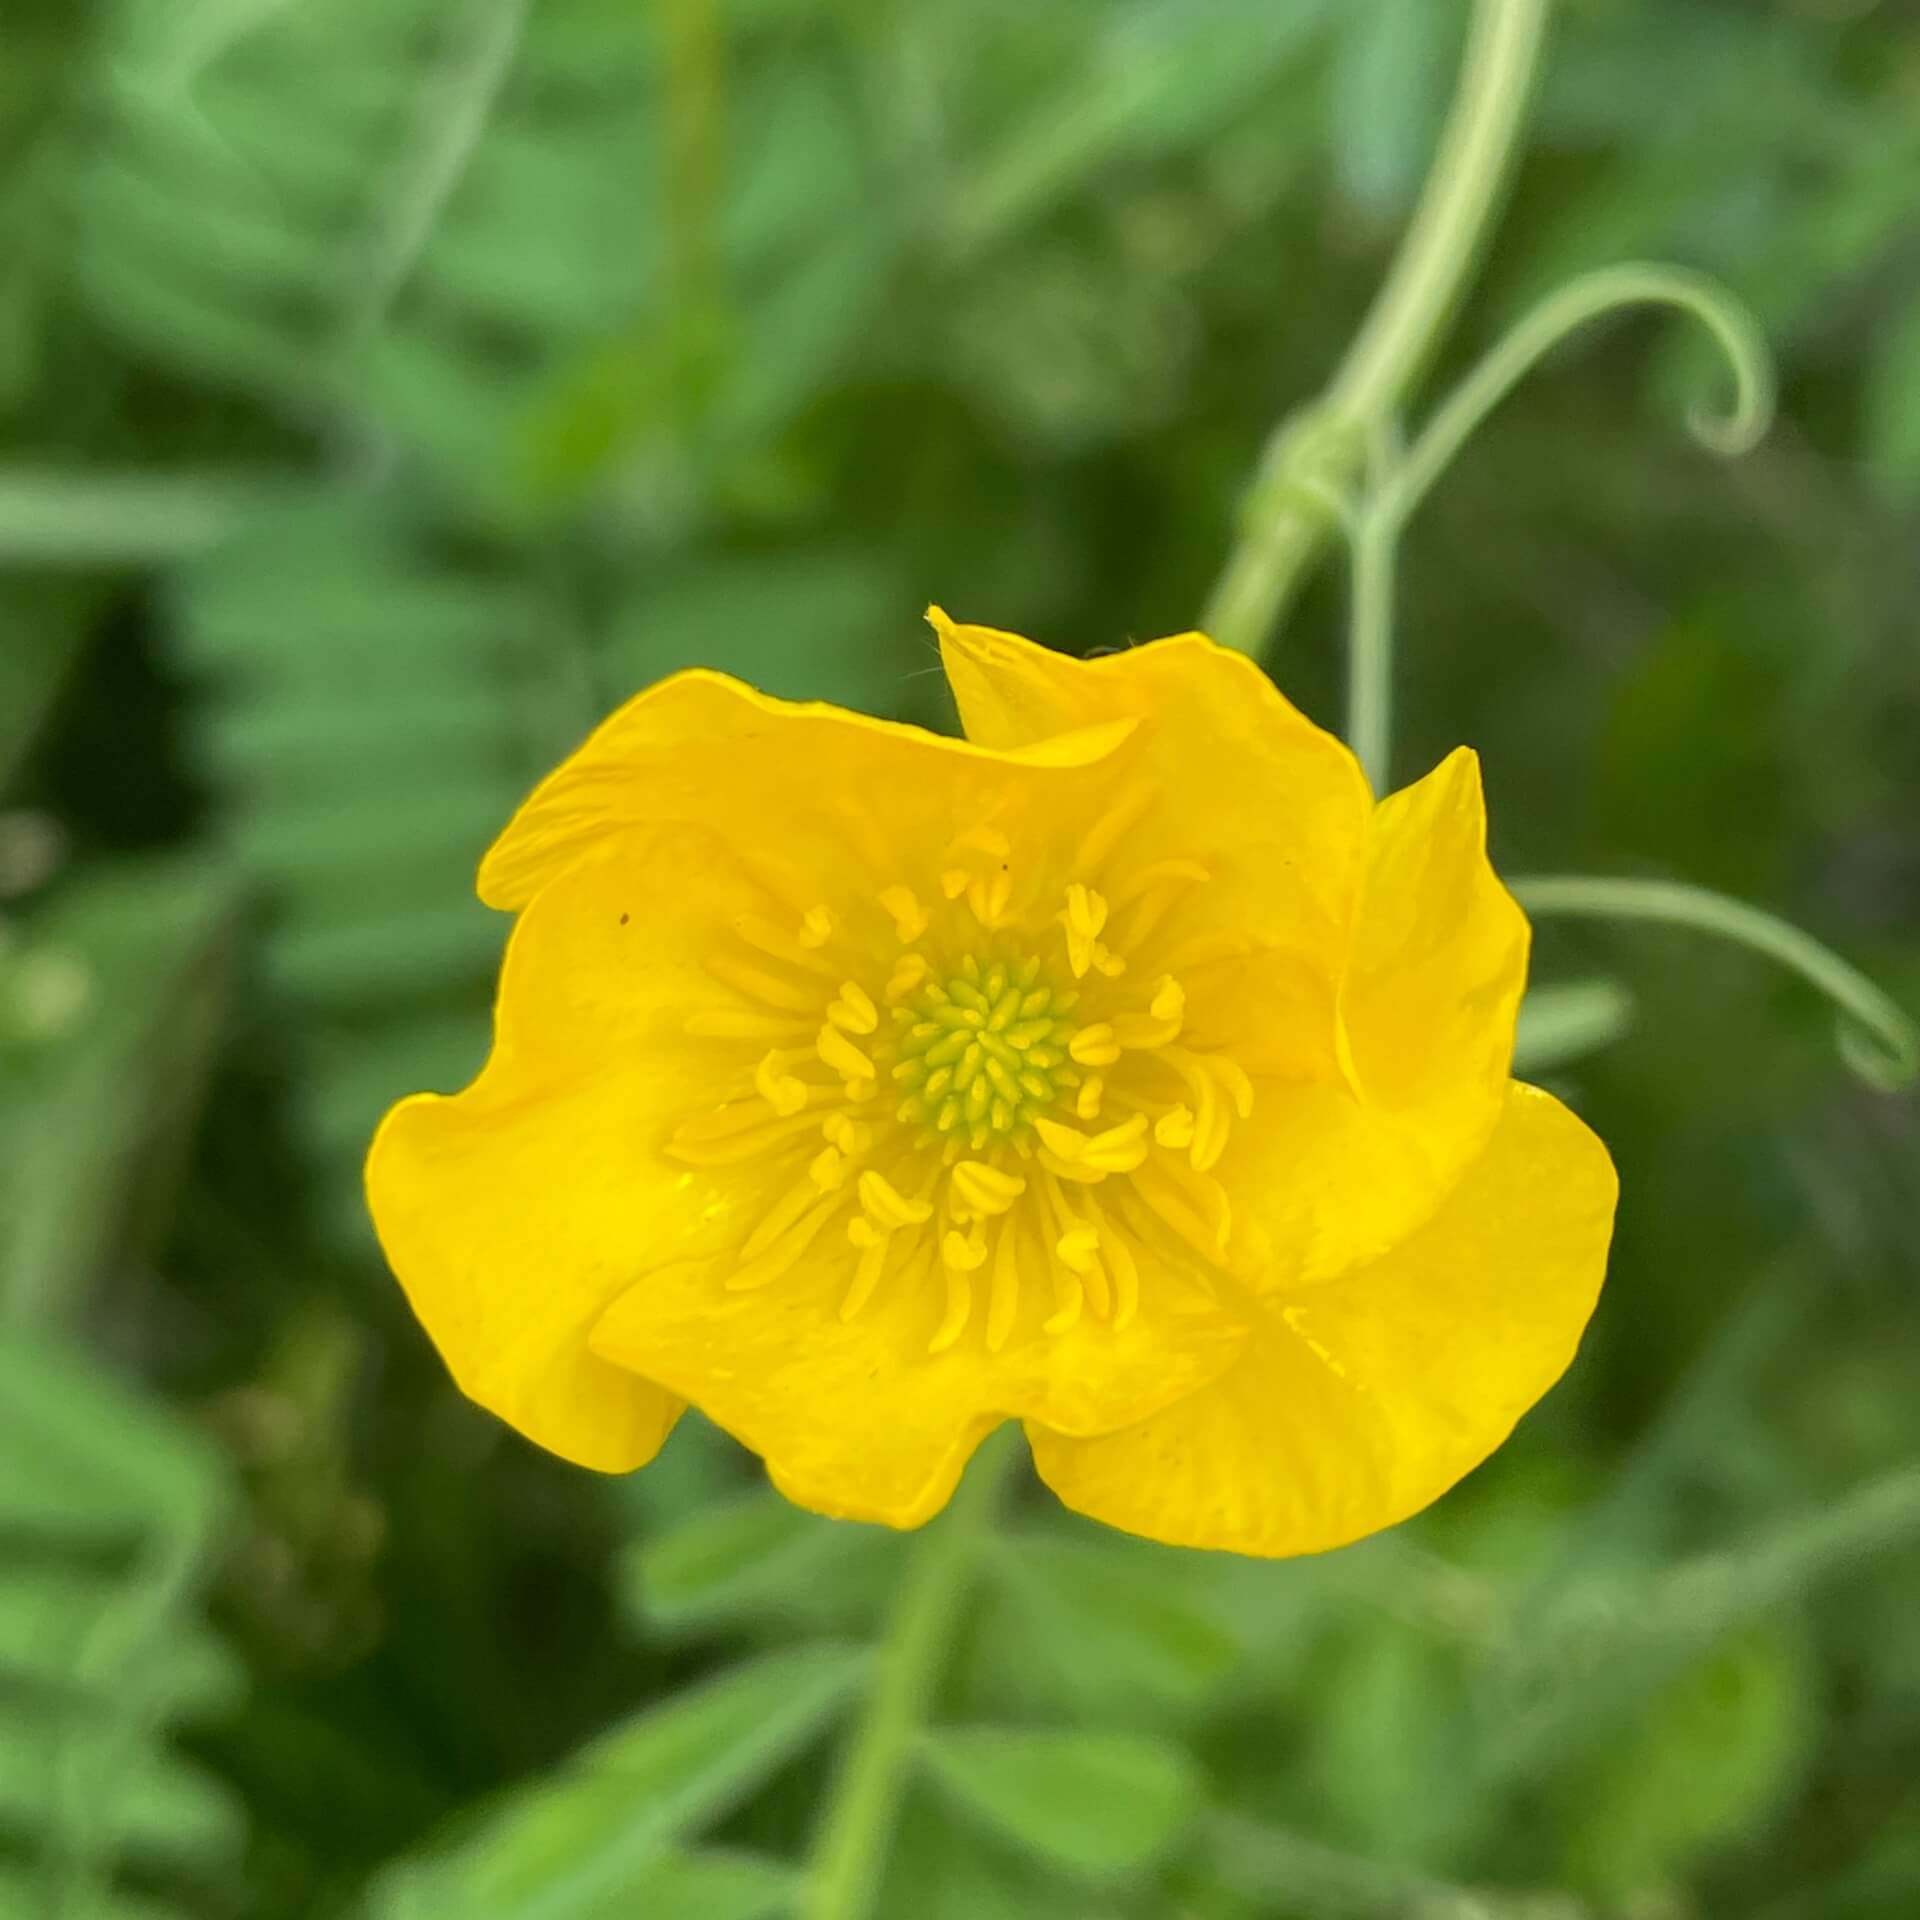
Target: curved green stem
1375,551
1577,304
1284,521
1875,1037
850,1850
1375,529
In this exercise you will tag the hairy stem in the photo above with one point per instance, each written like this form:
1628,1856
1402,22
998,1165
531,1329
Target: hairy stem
850,1850
1284,522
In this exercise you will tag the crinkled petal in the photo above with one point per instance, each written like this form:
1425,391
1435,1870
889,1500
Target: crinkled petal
1340,1162
1439,953
1362,1401
705,748
515,1211
1225,775
857,1418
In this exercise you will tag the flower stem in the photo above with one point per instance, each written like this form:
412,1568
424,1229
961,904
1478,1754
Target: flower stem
1284,521
1876,1038
850,1850
1399,483
1375,548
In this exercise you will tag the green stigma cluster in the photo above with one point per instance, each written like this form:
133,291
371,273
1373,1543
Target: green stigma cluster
985,1051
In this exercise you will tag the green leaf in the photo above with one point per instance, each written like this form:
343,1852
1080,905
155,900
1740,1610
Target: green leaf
1108,1632
761,1560
112,1510
587,1837
1101,1804
943,1865
110,1068
806,626
1708,1760
374,711
713,1885
24,1892
39,643
54,517
1893,409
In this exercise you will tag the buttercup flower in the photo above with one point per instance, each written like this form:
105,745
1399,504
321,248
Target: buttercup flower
1123,1068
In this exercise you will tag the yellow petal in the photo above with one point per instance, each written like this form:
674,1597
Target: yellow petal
514,1212
1225,777
1347,1153
1439,952
857,1418
702,747
1360,1402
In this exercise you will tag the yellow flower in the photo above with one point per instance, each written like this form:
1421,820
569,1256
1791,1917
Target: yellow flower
1123,1069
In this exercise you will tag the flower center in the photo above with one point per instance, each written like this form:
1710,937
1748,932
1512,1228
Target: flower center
983,1053
934,1113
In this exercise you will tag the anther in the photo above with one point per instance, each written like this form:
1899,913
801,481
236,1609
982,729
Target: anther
1095,1046
853,1009
904,909
781,1090
839,1053
1160,1025
986,1189
887,1207
908,971
816,929
1085,915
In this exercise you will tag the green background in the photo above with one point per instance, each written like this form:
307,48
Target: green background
388,388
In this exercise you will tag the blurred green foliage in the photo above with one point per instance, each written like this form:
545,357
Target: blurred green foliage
388,387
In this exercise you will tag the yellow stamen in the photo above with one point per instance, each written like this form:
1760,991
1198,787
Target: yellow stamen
778,944
1095,1046
784,1092
986,1189
904,909
908,972
1069,1297
853,1066
1120,1262
866,1275
781,1255
817,928
959,1308
1003,1302
779,1217
887,1207
757,984
1085,915
853,1010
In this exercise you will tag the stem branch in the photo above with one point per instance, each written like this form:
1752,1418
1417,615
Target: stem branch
1283,522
